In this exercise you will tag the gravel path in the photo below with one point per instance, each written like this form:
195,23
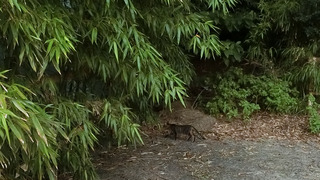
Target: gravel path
167,159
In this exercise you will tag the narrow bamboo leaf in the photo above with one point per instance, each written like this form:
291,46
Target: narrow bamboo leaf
155,51
22,95
168,29
25,126
58,54
63,134
18,91
17,134
15,2
181,99
56,66
51,173
107,4
11,3
203,48
115,50
178,35
21,55
7,113
43,148
4,126
63,49
14,31
138,135
20,106
127,3
94,35
3,72
194,39
51,53
71,44
32,63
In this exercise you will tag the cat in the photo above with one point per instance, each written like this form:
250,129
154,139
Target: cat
188,130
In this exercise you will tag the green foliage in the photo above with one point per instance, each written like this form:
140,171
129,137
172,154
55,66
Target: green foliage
79,137
28,136
275,20
306,77
129,54
239,94
140,51
42,142
314,117
118,117
133,50
232,52
248,108
276,34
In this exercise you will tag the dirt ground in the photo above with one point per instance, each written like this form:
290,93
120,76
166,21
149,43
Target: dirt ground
266,147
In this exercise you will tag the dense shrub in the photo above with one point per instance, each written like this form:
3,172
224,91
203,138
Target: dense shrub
314,117
239,94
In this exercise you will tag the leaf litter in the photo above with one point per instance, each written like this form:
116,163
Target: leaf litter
235,149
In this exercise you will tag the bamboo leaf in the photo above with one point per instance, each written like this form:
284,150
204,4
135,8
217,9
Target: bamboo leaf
50,41
39,129
94,35
4,125
14,31
21,55
115,50
11,3
20,106
178,34
58,54
15,2
17,134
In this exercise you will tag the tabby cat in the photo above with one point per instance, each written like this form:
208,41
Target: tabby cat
188,130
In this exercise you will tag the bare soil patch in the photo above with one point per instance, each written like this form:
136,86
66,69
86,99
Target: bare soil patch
269,146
